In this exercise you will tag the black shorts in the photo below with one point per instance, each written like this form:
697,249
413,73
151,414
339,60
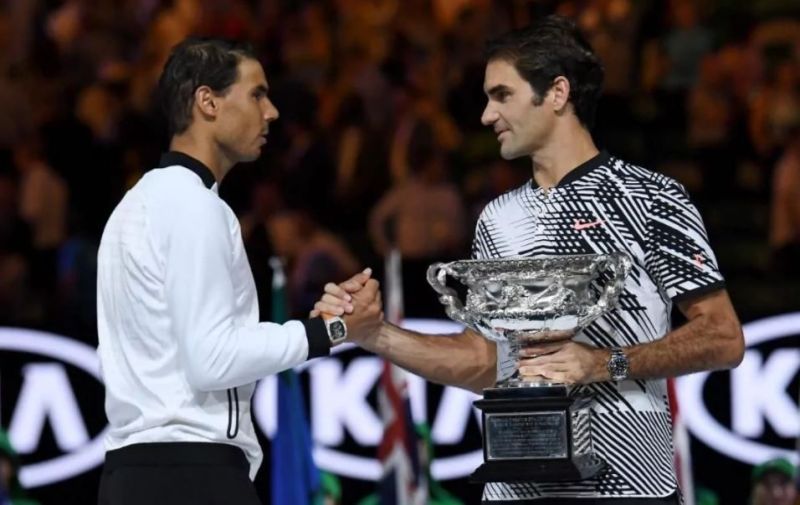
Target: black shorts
175,474
672,499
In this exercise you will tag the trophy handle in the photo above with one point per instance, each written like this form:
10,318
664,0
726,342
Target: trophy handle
437,278
620,265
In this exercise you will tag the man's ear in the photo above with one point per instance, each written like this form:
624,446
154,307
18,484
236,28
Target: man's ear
559,93
206,101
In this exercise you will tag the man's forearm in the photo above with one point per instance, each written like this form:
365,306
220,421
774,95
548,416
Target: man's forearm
703,343
465,360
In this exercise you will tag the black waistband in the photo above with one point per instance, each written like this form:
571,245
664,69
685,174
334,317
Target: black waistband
667,500
176,453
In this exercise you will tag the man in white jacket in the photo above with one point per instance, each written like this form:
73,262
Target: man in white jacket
180,343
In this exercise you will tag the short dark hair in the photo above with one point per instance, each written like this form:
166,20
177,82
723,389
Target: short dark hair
552,47
193,63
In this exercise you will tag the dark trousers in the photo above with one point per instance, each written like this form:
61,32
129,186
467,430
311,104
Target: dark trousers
669,500
176,474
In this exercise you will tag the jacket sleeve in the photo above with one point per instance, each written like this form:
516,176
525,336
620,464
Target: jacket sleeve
217,351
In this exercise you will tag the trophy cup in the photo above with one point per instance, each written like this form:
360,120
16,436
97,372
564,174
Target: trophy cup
533,430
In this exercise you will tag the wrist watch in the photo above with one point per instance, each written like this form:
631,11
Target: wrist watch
618,365
337,330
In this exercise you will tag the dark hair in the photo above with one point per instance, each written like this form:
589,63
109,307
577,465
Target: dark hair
193,63
549,48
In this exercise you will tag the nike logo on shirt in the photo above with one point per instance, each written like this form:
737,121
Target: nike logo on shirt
583,225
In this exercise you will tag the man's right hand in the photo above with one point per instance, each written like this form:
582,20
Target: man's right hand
367,316
337,300
358,300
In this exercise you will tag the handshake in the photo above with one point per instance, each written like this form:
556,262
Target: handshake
357,301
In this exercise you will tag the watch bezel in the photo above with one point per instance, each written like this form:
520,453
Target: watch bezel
337,322
618,365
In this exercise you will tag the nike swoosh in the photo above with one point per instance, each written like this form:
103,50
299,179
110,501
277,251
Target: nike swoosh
582,226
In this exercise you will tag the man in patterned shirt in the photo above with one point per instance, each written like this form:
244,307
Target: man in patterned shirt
542,85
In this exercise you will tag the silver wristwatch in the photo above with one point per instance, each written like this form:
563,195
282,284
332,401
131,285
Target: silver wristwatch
618,365
337,330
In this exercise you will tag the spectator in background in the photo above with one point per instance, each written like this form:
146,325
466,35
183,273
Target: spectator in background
784,233
16,117
307,172
424,216
361,172
11,491
685,45
16,303
314,256
307,50
670,70
173,22
775,108
710,122
43,201
773,483
419,113
464,55
611,27
265,202
43,197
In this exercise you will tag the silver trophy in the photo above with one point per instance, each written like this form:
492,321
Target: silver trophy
534,430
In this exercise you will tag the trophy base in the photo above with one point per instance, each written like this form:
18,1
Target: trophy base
539,434
537,471
527,390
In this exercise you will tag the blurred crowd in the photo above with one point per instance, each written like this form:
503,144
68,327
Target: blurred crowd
379,144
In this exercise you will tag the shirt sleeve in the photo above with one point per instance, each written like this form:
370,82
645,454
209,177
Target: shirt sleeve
217,350
677,253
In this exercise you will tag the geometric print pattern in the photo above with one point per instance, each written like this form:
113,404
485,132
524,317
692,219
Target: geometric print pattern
607,205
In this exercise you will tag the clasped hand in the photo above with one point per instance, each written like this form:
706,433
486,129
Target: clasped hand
358,301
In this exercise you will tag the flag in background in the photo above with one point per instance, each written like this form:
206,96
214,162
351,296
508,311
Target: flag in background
403,481
680,440
295,477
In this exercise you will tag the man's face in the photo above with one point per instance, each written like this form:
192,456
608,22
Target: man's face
521,127
244,114
774,489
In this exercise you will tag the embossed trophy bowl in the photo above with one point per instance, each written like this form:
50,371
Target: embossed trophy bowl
533,430
531,300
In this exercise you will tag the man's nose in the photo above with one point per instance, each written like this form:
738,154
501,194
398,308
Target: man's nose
271,112
489,115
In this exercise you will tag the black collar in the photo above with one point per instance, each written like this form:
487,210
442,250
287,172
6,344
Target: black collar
172,158
584,168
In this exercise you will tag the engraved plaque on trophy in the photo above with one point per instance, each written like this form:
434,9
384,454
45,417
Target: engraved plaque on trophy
533,430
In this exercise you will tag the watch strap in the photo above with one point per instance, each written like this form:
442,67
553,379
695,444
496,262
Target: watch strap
319,344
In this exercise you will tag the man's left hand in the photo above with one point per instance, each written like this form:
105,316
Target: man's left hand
567,362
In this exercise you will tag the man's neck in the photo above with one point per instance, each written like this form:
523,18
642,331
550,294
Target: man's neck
202,151
563,154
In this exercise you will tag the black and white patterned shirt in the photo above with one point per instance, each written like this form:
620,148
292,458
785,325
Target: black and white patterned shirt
607,205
